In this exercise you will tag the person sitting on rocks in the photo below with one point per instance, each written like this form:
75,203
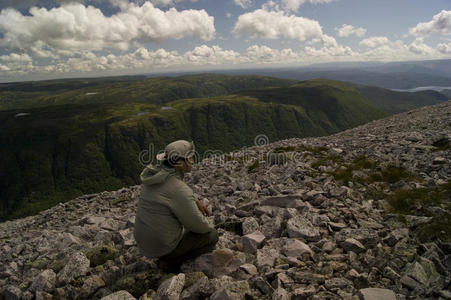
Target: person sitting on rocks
170,223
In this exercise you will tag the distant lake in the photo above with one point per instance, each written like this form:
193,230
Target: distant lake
424,88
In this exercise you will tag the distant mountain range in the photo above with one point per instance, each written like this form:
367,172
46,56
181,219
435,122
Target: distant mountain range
64,138
390,75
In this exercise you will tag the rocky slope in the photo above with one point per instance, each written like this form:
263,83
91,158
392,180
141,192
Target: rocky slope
312,218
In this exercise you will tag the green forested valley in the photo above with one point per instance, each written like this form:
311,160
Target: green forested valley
64,138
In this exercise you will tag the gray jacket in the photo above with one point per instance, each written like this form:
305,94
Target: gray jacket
166,209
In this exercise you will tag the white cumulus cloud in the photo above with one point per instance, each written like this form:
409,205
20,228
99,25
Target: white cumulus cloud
294,5
16,63
204,55
75,26
419,47
243,3
276,24
165,3
440,23
16,58
444,48
330,48
347,30
374,41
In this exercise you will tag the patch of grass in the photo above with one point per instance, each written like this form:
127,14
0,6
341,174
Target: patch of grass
376,194
438,228
327,160
314,150
359,163
252,167
408,201
392,174
285,149
416,202
362,162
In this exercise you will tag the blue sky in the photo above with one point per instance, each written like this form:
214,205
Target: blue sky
42,39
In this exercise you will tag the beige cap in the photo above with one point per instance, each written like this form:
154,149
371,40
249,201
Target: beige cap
177,149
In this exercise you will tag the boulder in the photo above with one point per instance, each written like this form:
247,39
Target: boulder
119,295
303,228
353,245
201,289
252,242
78,265
171,288
45,281
266,256
11,292
91,285
376,294
296,248
250,225
280,294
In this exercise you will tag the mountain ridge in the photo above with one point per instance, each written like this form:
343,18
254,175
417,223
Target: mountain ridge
59,151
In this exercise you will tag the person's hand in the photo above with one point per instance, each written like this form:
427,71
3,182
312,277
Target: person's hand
203,209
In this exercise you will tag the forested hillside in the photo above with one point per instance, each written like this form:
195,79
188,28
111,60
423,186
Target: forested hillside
53,153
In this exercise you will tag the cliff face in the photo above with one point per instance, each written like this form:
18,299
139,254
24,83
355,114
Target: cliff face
60,152
364,212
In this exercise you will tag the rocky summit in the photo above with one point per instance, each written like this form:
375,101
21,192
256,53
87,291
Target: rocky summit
362,214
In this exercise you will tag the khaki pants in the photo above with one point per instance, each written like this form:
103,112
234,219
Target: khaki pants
190,246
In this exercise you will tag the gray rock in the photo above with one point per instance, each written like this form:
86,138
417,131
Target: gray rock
337,226
66,240
439,160
281,201
328,246
40,295
353,245
250,225
262,285
296,248
303,293
91,285
119,295
280,294
368,237
171,288
392,274
303,228
422,271
266,257
308,277
376,294
272,228
230,290
337,283
445,294
396,235
11,292
411,283
44,282
201,289
252,241
78,265
249,269
218,262
127,237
